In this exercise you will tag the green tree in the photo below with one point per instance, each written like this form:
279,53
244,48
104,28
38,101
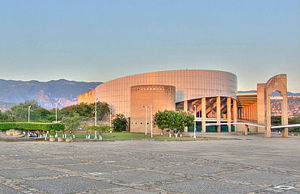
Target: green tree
86,111
6,116
173,121
295,120
119,123
72,122
19,112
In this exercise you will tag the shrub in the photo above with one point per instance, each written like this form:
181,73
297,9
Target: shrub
102,129
120,123
32,126
52,132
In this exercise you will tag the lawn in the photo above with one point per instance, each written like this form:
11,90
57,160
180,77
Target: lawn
118,136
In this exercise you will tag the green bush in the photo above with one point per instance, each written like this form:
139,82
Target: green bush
120,123
52,132
32,126
103,129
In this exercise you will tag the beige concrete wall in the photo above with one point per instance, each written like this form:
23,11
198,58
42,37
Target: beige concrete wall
158,96
86,98
190,84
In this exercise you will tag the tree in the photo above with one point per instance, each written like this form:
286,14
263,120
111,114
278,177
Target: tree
173,121
120,123
72,122
295,120
6,116
19,112
86,111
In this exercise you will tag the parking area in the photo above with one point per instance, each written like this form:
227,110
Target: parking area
250,164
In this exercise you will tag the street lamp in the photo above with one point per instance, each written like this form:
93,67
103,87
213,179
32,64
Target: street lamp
151,120
29,114
110,111
96,111
28,119
146,124
56,107
195,125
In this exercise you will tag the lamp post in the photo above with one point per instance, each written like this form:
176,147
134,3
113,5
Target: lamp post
29,114
95,111
146,127
56,106
195,120
110,116
28,119
151,121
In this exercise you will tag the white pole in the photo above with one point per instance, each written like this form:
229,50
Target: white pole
29,113
109,116
151,121
146,127
195,121
56,113
95,111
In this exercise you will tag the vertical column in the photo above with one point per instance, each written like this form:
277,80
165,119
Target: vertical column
219,113
250,111
268,115
203,111
284,116
247,113
185,108
229,114
234,112
261,104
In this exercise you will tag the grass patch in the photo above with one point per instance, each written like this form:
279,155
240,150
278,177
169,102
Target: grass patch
119,136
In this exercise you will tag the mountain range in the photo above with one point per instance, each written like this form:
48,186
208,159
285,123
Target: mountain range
273,94
47,94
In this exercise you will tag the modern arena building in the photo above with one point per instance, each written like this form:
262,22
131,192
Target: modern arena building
211,95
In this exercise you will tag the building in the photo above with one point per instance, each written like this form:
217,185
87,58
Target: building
211,95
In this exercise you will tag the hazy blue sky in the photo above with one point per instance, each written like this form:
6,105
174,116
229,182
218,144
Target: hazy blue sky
102,40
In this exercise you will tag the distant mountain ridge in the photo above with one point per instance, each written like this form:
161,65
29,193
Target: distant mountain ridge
61,91
273,94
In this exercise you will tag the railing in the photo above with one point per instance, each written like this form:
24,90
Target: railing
285,126
254,125
249,124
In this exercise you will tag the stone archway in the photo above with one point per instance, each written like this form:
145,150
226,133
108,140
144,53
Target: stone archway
277,83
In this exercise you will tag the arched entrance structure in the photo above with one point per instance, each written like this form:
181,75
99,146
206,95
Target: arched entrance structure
277,83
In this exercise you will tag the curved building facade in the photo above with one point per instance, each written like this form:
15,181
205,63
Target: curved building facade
189,84
147,99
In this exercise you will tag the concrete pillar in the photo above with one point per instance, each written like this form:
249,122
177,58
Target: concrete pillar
185,105
203,110
250,112
185,108
246,130
219,113
268,116
284,116
229,114
234,112
261,104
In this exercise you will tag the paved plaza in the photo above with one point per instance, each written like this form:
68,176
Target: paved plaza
250,164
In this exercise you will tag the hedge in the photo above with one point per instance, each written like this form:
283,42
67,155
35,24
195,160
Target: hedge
103,129
31,126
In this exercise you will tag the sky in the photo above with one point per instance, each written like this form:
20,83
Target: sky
97,40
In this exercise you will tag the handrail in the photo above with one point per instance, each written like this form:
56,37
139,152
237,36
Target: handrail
255,125
285,126
249,124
